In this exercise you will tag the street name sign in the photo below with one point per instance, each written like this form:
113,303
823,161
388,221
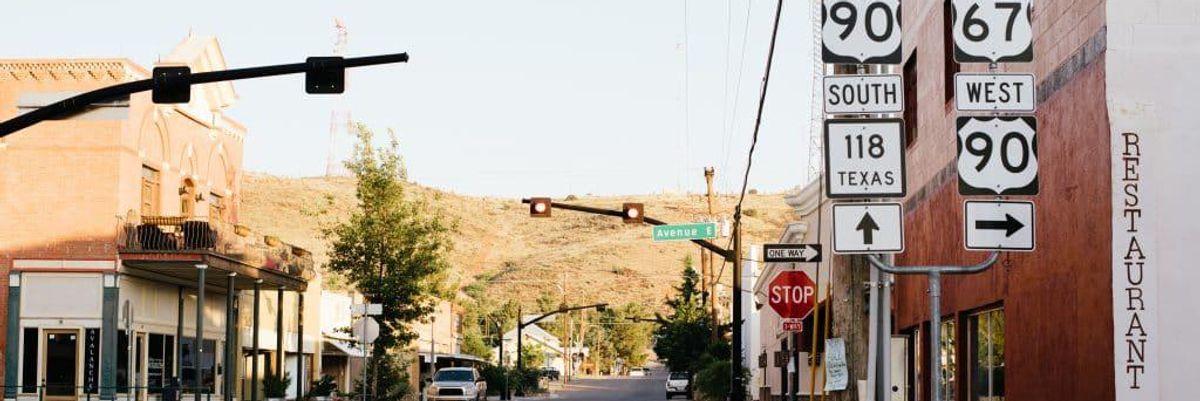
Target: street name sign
992,31
860,31
684,232
791,253
868,228
998,226
864,94
792,294
864,158
997,155
1010,93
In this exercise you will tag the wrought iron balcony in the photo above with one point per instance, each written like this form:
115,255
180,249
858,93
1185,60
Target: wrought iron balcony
182,234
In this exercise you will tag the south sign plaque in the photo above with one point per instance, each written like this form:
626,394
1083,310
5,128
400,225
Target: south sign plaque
864,158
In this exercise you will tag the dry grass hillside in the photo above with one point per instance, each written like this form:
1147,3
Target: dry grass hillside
500,248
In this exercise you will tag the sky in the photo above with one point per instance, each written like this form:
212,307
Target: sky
500,98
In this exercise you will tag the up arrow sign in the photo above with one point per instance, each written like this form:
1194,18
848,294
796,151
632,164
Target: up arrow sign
791,253
868,227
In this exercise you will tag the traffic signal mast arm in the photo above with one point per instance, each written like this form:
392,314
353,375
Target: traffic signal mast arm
563,310
79,102
725,253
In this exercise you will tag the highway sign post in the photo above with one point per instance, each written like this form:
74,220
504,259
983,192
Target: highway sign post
999,225
791,253
860,31
684,232
864,94
997,156
793,295
998,93
993,31
864,158
860,228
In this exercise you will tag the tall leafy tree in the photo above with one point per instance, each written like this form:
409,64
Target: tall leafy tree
392,249
681,336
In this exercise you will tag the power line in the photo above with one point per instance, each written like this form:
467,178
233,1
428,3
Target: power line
737,90
762,100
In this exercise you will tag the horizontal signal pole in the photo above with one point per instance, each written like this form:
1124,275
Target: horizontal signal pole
80,102
726,253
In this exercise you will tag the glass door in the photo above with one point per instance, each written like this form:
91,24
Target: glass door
61,364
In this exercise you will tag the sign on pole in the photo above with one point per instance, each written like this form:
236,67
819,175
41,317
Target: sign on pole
366,309
792,294
864,158
868,228
993,31
864,94
998,225
1007,93
684,232
997,155
860,31
791,253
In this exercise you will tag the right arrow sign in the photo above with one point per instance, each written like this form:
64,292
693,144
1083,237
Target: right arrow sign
999,225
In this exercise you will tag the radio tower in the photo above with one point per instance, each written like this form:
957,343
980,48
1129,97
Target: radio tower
816,149
340,126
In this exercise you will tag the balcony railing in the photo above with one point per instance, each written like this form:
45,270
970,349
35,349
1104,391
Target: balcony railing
182,233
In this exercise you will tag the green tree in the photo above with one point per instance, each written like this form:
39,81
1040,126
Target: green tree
687,329
393,250
629,340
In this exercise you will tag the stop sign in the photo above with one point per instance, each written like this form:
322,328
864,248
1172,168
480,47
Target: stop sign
792,294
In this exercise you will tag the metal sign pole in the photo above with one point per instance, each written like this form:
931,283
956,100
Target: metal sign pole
935,307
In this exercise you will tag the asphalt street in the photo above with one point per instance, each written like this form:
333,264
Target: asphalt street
621,388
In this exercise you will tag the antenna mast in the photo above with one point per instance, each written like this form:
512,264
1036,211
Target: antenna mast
339,117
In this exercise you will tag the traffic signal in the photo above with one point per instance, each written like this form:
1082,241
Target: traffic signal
632,213
171,85
325,75
539,207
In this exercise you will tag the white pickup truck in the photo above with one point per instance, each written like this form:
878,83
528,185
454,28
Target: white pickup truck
456,384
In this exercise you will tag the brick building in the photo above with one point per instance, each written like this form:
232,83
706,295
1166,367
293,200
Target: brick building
110,221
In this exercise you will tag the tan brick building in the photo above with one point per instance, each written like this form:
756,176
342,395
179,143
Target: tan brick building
110,219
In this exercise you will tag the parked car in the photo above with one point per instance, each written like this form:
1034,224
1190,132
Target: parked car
679,383
551,373
456,384
637,372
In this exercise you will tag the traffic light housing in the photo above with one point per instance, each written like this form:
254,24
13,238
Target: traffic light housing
632,213
539,207
325,75
171,85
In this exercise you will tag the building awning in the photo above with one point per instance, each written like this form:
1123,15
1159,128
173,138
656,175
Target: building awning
339,347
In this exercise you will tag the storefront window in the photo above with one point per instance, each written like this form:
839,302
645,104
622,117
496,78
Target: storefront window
160,356
206,362
987,353
948,359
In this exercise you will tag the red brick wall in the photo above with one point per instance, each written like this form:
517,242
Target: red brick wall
1057,300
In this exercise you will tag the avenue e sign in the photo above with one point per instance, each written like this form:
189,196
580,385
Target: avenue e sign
999,226
992,31
860,228
684,232
864,158
864,94
792,294
860,31
1002,93
791,253
997,155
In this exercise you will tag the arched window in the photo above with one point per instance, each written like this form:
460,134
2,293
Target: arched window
187,198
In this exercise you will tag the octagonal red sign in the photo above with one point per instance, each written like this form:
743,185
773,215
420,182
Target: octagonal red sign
792,294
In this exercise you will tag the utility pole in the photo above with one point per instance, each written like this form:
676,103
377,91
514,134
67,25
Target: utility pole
738,389
706,260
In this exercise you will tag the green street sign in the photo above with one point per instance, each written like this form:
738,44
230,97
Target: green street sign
684,232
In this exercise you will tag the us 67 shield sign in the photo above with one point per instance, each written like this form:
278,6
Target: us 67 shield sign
860,31
993,31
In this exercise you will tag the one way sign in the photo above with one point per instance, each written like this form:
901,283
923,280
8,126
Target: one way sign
998,225
868,228
794,253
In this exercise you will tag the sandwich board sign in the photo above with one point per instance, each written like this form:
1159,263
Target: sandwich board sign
997,155
864,94
1007,93
860,31
992,31
864,158
868,228
791,253
998,226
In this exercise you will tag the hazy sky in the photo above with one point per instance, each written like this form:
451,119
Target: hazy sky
505,98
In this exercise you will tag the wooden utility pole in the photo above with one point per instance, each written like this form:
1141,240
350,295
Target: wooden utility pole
849,305
706,259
